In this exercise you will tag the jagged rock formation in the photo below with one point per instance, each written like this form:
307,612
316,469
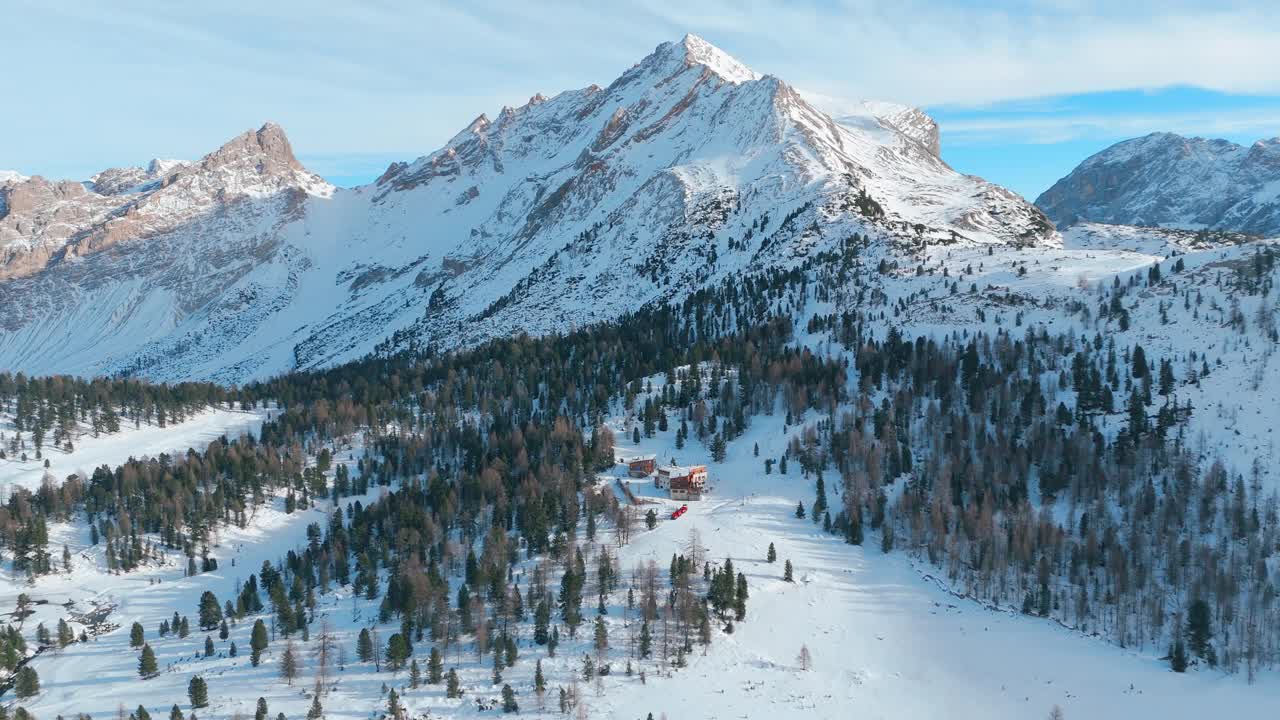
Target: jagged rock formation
688,168
43,222
1168,180
911,122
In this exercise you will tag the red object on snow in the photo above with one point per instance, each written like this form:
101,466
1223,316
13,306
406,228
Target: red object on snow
679,511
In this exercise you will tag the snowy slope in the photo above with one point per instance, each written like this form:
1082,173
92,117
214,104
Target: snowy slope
945,291
1168,180
687,169
113,449
887,641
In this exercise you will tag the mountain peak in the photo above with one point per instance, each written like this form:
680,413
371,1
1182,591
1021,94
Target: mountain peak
1169,180
268,146
700,52
691,51
163,166
129,180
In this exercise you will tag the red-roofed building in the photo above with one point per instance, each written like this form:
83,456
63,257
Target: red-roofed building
684,482
641,466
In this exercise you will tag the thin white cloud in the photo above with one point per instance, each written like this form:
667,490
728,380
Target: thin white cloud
1048,129
941,52
103,84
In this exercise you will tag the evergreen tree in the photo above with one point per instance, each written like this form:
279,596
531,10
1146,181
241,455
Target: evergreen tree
288,664
601,636
142,714
541,621
435,667
646,639
740,598
1199,628
1166,377
820,501
315,712
772,555
397,651
1178,656
208,646
136,635
1139,362
415,674
509,704
147,667
65,635
27,683
786,571
453,688
257,642
571,599
260,713
394,708
510,651
175,713
198,692
1137,414
364,646
210,612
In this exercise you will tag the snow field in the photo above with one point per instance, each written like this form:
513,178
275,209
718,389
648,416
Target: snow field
115,448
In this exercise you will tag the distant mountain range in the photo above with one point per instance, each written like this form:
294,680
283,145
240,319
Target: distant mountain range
1168,180
688,168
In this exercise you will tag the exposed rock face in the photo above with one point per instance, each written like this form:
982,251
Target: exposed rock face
910,121
687,169
121,181
38,217
1168,180
43,222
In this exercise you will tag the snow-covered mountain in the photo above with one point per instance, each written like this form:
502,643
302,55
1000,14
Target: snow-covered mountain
128,180
46,224
688,168
1168,180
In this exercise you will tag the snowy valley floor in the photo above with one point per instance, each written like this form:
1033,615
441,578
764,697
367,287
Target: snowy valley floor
886,642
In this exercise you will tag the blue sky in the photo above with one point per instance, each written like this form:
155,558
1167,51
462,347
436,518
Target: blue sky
1023,90
1028,144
